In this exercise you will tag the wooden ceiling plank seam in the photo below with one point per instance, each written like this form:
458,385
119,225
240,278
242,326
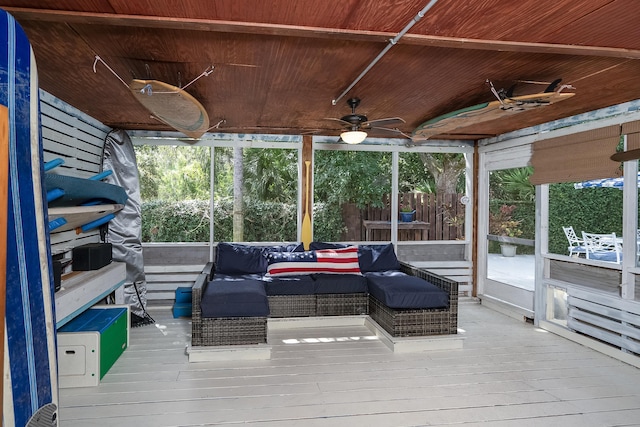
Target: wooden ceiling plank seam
313,32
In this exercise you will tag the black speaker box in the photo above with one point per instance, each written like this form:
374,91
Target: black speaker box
57,275
91,256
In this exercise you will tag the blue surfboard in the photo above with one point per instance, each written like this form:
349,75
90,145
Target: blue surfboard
30,373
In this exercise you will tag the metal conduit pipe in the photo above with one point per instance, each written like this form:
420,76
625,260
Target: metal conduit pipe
392,42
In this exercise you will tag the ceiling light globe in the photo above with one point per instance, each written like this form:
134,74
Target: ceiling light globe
353,136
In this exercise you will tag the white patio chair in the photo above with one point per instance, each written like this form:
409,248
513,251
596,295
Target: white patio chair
602,247
576,245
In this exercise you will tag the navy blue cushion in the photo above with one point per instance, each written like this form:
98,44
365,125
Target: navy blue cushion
291,247
399,290
289,285
233,258
324,245
245,298
377,258
339,283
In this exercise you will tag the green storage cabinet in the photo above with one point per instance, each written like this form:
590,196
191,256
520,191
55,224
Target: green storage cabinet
112,325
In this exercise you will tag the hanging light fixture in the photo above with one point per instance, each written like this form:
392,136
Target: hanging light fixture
353,136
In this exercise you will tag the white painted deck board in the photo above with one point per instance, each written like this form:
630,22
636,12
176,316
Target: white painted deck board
507,374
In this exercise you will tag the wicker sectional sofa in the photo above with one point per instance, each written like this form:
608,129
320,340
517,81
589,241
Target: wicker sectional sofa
233,297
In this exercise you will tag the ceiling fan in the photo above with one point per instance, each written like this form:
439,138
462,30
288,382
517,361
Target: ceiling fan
355,125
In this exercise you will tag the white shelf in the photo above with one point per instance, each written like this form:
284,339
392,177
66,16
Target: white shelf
82,289
77,216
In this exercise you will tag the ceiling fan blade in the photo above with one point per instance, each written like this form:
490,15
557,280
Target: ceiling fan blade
342,122
384,122
394,130
624,156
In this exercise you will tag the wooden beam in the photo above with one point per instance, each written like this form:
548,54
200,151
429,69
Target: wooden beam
194,24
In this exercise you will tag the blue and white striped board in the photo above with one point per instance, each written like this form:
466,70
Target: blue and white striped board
30,393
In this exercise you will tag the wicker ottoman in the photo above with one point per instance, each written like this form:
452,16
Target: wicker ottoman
411,322
406,305
231,313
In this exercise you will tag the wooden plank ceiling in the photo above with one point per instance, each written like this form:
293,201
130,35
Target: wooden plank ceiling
279,64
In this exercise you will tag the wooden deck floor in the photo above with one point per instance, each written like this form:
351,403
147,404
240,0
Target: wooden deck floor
508,374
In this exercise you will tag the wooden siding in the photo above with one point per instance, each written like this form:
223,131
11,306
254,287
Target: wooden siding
170,266
605,317
78,139
607,280
508,373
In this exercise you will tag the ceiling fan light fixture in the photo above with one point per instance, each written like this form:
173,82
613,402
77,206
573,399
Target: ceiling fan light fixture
353,136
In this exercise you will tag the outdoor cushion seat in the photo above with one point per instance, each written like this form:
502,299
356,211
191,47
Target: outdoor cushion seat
401,291
339,284
289,285
244,298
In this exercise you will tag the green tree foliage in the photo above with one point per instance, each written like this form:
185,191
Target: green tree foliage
352,176
175,189
441,173
412,176
182,221
149,175
328,225
223,177
188,221
173,173
594,210
271,174
513,184
446,169
511,187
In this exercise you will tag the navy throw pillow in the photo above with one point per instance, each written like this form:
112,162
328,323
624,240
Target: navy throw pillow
234,258
313,246
377,258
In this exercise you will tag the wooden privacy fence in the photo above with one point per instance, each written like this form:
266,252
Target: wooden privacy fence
437,217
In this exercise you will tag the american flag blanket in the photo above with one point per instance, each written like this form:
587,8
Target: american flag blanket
332,261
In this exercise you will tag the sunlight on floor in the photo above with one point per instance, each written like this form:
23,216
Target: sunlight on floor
327,340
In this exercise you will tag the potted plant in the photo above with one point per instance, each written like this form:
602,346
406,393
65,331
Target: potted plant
406,213
501,223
